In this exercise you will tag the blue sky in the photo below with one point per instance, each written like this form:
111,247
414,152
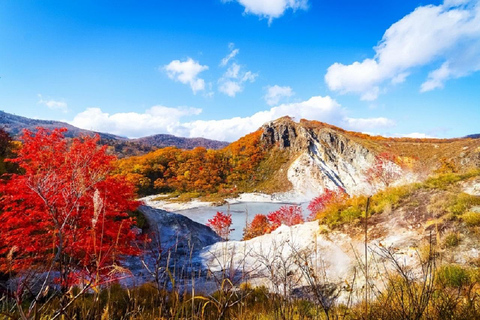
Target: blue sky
220,69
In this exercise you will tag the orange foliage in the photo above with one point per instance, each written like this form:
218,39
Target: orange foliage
198,170
259,226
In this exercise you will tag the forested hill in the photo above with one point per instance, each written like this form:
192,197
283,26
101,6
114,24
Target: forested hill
168,140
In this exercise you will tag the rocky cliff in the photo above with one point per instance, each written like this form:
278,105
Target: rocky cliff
324,157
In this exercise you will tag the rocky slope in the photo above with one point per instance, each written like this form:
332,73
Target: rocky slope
425,218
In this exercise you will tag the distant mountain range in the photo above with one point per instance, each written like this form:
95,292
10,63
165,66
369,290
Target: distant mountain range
473,136
166,140
14,125
122,146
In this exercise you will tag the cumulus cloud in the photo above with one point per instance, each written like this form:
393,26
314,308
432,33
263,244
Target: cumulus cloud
234,78
447,33
365,124
321,108
271,9
186,72
276,93
53,104
160,119
157,119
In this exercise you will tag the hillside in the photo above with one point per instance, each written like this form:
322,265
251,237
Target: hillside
296,161
404,223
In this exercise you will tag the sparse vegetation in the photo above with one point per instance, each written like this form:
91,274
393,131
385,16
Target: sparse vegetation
471,219
451,240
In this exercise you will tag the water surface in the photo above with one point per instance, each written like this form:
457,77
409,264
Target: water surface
242,213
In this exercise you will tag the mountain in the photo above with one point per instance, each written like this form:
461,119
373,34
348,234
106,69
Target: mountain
167,140
296,161
323,156
121,146
14,125
473,136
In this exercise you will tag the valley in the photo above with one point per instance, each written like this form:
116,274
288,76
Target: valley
369,208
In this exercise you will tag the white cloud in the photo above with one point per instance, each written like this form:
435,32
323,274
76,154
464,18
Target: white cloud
319,108
271,9
449,33
230,56
53,104
234,78
436,78
366,124
186,72
230,88
232,71
416,135
157,119
276,93
160,119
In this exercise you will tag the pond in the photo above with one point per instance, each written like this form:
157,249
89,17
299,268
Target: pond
241,213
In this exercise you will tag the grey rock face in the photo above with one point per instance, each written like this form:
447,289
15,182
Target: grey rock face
335,160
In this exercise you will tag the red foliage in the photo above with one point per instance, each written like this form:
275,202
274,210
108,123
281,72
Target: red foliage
287,215
319,203
221,223
66,212
259,226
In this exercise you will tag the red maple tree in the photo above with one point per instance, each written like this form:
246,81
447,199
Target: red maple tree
287,215
221,223
65,213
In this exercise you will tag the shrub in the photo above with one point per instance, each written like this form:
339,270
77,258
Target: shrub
451,240
471,219
452,276
320,203
461,202
351,213
287,215
259,226
442,181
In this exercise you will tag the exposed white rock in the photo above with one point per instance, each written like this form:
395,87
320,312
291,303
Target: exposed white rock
335,256
472,187
155,202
